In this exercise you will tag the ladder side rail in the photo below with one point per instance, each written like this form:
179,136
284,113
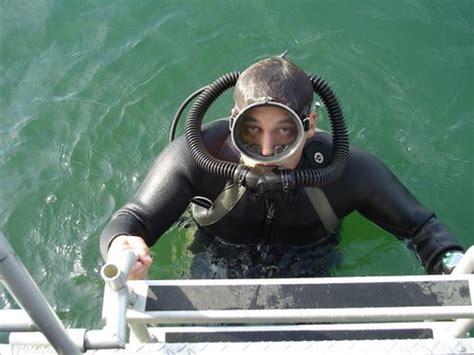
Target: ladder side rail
117,298
23,288
465,266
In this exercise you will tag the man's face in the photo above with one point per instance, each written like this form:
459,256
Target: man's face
269,130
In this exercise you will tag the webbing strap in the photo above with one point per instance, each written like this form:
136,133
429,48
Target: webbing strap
221,206
323,208
228,198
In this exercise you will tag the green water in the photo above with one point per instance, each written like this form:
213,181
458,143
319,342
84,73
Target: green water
88,89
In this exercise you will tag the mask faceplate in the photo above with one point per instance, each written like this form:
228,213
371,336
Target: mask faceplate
267,132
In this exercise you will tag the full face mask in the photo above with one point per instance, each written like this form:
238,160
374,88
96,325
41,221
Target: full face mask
268,140
257,178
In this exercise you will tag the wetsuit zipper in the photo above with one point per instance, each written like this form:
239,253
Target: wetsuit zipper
271,205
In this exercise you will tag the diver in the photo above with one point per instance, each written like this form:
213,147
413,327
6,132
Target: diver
268,178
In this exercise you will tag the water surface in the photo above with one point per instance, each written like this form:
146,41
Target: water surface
88,90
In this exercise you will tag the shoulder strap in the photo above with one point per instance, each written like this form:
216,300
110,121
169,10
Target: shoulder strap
226,200
323,208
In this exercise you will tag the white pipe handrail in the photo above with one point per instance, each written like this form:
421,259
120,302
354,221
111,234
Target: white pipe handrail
115,274
117,296
21,285
466,265
16,320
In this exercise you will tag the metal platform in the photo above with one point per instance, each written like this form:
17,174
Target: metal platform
399,315
303,300
380,347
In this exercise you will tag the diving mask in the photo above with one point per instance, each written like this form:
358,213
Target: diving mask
268,132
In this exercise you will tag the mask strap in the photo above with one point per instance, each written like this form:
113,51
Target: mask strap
306,123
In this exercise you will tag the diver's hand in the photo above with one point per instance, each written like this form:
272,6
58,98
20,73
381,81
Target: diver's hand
139,270
448,262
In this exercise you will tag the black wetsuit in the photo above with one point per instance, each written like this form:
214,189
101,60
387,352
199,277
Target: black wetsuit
366,186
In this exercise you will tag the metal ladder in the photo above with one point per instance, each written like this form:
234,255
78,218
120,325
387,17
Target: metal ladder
241,315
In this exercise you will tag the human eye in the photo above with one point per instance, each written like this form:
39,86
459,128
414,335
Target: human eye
251,129
287,130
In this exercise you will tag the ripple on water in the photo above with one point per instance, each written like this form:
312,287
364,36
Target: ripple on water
90,91
51,199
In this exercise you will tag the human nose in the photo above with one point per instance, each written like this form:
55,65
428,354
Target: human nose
268,144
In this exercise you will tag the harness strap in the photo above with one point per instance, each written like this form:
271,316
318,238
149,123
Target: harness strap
231,195
323,208
224,203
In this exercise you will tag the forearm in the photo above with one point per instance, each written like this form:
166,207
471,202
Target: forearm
432,241
123,222
146,220
389,204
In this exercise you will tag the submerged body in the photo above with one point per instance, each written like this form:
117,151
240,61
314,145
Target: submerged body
293,218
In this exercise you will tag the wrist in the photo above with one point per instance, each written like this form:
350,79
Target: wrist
114,239
448,262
